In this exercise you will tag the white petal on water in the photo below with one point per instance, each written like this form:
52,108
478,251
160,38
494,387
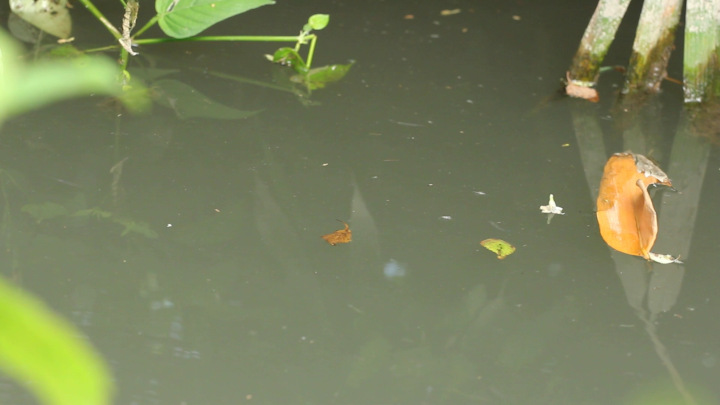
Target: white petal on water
663,259
551,208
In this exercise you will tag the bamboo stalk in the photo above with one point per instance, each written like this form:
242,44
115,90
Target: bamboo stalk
702,18
594,45
653,44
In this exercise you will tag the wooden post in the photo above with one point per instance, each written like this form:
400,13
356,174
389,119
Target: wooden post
654,40
594,45
702,21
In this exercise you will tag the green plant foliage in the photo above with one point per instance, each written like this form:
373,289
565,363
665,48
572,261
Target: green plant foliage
190,103
138,227
45,211
136,97
317,78
289,57
44,352
23,88
67,50
94,212
50,210
317,22
130,225
182,19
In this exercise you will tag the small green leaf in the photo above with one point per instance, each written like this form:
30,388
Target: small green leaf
42,351
317,78
319,21
185,18
190,103
290,57
500,247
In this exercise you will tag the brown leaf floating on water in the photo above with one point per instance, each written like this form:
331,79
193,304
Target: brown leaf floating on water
339,236
625,212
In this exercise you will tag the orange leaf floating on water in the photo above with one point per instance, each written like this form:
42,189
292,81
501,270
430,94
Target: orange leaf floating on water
339,236
625,212
501,248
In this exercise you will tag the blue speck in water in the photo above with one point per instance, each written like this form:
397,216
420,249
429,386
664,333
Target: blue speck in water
393,269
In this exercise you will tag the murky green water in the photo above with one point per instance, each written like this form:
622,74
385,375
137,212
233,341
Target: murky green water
445,133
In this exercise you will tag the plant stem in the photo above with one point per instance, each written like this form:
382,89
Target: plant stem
114,31
254,38
102,48
311,51
147,25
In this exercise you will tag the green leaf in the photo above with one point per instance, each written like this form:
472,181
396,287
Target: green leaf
23,88
50,81
45,353
185,18
317,78
319,21
290,57
190,103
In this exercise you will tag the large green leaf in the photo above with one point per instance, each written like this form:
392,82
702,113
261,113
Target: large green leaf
185,18
45,353
50,81
24,88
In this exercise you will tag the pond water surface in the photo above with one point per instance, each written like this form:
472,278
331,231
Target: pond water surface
445,132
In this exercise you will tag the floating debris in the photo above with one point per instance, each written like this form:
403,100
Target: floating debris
501,248
664,259
551,209
339,236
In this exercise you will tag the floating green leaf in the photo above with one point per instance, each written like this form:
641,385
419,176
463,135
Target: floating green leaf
44,352
317,78
185,18
499,246
190,103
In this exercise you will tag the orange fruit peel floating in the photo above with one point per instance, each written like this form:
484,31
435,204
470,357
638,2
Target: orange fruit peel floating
625,212
501,248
